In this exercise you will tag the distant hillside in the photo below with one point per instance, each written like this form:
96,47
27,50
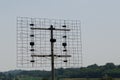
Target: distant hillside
13,72
91,71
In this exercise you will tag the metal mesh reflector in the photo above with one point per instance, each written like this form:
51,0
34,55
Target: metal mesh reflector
34,46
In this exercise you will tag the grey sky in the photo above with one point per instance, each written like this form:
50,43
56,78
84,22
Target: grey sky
99,21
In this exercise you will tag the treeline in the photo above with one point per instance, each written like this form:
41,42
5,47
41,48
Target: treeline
91,71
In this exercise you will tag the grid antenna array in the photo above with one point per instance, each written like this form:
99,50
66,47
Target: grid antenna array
42,42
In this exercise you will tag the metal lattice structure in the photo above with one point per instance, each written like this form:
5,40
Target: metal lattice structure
34,43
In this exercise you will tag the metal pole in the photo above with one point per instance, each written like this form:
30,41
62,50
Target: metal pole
52,53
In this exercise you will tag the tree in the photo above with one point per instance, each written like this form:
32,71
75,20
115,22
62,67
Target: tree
93,66
110,66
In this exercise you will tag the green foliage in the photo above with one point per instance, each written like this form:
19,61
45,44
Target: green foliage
29,78
106,77
92,71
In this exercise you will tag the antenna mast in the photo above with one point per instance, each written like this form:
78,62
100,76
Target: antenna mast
43,42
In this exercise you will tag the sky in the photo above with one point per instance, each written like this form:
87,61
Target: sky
100,23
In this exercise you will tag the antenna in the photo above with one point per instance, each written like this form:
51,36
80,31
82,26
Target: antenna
45,42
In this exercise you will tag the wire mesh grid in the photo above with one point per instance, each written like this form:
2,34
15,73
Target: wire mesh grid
41,39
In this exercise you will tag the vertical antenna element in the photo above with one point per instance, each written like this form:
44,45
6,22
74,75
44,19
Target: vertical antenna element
32,43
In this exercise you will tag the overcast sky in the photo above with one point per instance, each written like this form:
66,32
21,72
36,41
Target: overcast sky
100,22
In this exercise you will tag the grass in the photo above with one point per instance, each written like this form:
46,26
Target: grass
39,78
81,79
30,78
87,79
